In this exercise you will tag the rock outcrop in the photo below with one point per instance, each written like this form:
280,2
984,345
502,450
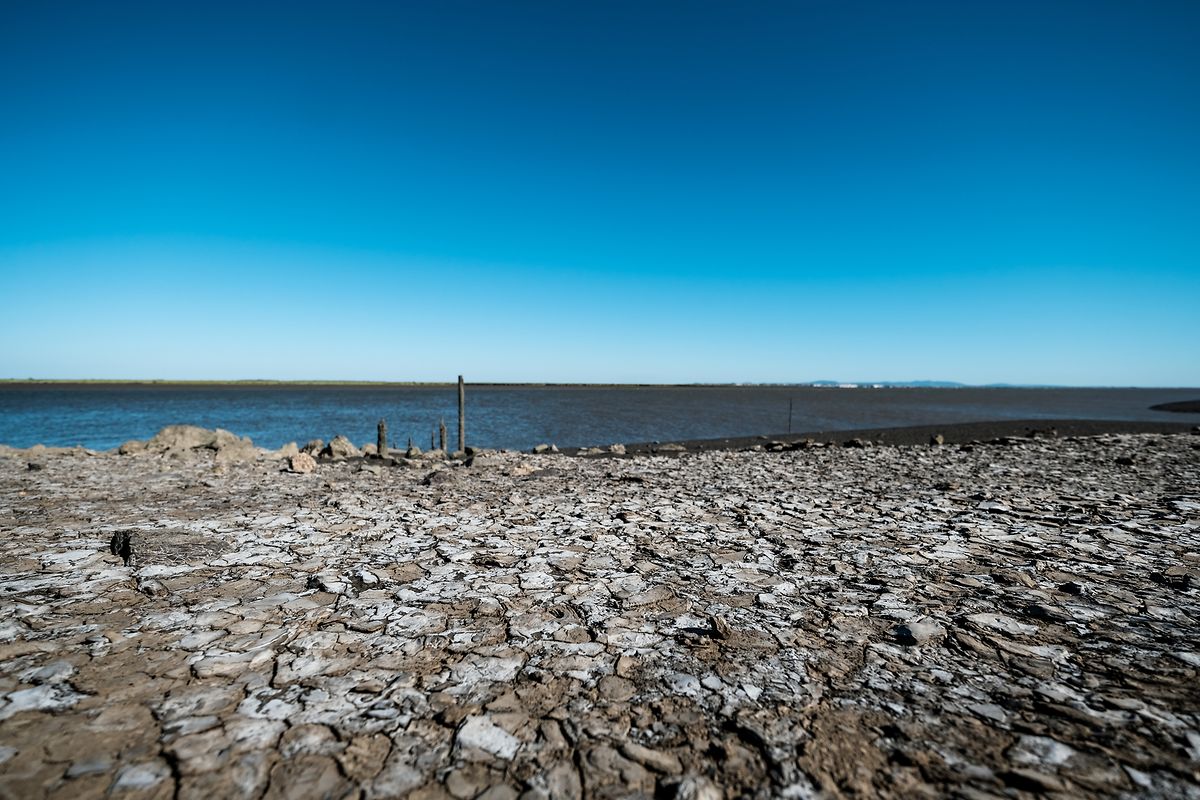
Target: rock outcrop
340,448
182,440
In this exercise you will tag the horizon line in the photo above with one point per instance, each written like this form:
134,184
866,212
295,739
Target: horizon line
819,384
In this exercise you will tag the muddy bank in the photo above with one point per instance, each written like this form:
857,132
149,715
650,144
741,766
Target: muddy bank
1006,620
1183,407
959,433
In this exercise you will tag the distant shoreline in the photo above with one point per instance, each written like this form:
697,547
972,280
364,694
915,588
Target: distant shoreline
954,433
255,382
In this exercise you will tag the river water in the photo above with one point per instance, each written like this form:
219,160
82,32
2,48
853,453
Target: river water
517,417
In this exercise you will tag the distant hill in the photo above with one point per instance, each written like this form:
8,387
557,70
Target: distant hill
892,384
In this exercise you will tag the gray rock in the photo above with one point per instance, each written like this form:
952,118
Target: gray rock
181,438
302,463
915,633
438,477
151,587
480,733
340,448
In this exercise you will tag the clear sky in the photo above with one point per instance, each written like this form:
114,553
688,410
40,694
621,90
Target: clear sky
606,191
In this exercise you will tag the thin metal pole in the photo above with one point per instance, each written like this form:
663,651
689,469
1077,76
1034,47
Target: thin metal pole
462,415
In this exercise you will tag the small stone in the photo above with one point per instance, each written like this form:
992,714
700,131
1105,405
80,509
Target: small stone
151,587
142,776
55,672
89,766
721,629
438,476
302,463
1040,750
989,711
915,633
340,448
536,580
1034,781
657,760
615,689
480,733
1001,623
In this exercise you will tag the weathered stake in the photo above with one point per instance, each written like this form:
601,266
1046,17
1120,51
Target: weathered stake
462,415
381,439
442,433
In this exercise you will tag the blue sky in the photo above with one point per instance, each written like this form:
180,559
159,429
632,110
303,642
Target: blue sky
983,192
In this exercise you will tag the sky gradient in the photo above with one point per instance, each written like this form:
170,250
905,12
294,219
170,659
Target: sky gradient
627,192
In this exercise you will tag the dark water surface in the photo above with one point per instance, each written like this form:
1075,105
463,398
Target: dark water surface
103,416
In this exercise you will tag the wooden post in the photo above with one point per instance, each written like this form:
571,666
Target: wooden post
462,415
432,437
442,433
381,439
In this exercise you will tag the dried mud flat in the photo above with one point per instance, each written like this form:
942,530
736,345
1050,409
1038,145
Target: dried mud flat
1003,620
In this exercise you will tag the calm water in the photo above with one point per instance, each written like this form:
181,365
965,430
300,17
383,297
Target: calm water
514,417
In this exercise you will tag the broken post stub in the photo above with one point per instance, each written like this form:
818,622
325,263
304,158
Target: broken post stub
122,546
462,415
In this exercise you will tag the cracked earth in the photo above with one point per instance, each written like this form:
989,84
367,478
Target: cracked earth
997,620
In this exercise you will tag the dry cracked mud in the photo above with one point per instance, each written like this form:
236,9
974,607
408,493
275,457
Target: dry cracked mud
992,621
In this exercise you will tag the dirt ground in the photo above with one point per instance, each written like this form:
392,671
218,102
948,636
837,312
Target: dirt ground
1017,619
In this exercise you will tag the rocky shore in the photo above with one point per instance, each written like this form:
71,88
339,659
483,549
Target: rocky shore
199,618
